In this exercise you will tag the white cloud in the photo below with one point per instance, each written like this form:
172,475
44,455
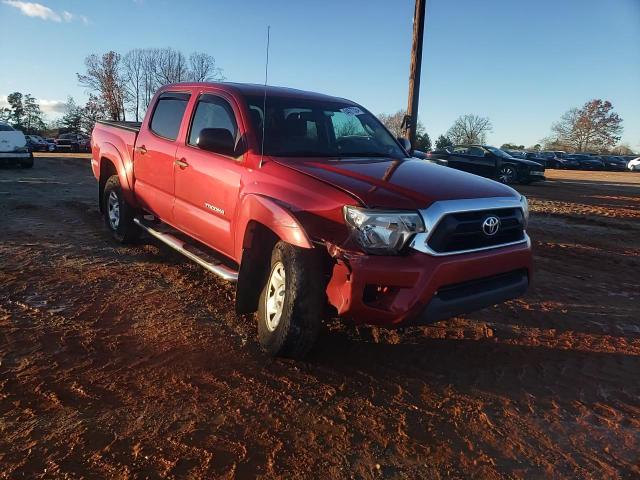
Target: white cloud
49,107
37,10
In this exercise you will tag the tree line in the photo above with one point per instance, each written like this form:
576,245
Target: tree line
466,129
120,87
126,83
594,127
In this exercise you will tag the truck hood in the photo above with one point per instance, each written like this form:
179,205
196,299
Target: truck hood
397,184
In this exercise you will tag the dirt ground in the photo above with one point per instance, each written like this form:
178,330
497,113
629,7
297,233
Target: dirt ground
130,363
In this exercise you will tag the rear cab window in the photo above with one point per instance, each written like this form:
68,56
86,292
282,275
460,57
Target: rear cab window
168,113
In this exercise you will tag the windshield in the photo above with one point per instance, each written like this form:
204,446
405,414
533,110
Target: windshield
319,128
498,152
5,128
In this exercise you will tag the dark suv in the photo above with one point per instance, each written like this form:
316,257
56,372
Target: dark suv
586,162
73,142
614,162
490,162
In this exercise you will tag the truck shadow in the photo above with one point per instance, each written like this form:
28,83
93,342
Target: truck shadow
486,365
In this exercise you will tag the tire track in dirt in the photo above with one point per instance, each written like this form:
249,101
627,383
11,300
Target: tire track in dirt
129,362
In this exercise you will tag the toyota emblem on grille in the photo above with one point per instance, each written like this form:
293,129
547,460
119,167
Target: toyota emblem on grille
490,226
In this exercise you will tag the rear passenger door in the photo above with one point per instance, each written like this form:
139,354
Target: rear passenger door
207,183
155,155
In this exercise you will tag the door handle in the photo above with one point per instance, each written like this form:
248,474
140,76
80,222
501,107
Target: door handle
141,150
182,163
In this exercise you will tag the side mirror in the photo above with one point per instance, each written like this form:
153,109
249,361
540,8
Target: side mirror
218,140
406,144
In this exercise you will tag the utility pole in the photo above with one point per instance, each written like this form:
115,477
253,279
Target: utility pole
411,119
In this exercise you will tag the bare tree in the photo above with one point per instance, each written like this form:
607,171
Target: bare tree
103,75
393,122
202,68
594,126
171,66
149,75
470,129
133,75
622,149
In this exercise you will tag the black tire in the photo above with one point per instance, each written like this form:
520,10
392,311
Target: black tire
27,163
121,226
296,329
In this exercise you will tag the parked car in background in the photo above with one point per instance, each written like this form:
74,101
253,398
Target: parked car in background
586,161
516,153
52,144
634,165
73,142
614,162
84,143
490,162
628,158
13,147
36,143
550,159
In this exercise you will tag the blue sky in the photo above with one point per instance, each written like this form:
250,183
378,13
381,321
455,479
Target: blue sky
522,63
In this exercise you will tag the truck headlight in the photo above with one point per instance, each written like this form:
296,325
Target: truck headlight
525,209
382,231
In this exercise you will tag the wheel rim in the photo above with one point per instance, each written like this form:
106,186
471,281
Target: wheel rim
506,174
113,208
275,296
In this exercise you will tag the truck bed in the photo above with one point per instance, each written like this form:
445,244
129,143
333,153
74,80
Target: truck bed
132,126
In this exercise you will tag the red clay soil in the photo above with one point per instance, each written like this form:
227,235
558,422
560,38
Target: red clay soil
128,362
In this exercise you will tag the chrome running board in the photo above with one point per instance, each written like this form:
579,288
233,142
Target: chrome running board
190,251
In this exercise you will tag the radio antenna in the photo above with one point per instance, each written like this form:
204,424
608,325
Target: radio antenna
264,99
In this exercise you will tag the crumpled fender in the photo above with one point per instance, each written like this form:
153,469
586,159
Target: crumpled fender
266,211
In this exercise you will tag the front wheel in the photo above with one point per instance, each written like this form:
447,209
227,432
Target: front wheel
507,174
118,214
290,308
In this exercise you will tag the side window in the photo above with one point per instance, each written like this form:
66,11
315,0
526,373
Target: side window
212,112
476,152
460,150
168,113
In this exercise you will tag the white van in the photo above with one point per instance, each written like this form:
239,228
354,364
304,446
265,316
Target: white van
13,147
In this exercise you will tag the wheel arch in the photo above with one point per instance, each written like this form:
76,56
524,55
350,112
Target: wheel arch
258,242
111,163
261,223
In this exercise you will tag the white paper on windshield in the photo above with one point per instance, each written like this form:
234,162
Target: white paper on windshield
352,111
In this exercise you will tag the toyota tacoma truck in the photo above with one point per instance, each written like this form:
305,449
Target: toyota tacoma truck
312,207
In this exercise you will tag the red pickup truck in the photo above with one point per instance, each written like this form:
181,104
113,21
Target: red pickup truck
313,208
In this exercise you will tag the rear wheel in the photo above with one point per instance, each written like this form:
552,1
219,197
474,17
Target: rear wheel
290,307
118,214
507,174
